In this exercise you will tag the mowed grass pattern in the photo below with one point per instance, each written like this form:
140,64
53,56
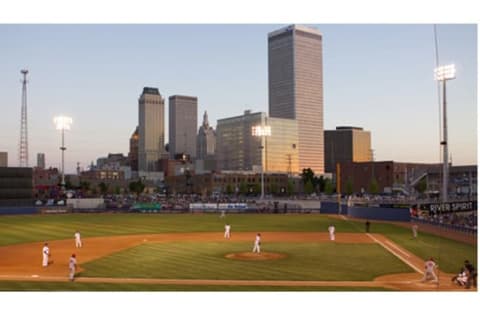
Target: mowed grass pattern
79,286
450,254
304,261
30,228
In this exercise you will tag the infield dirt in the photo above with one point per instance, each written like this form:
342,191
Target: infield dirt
23,262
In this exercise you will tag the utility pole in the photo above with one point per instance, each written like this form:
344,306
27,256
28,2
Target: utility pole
23,146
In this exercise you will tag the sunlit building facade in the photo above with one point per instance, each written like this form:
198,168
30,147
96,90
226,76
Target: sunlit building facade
238,149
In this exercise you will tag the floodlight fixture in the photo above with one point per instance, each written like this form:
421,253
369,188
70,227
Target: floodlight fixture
446,72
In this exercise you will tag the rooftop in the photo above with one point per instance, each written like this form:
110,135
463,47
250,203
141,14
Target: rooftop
291,27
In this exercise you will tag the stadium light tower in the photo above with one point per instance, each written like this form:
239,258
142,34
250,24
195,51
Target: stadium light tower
63,123
262,131
442,74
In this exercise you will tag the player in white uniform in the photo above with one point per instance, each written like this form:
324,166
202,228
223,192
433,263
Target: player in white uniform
256,246
72,265
227,231
46,255
78,241
331,231
415,230
430,266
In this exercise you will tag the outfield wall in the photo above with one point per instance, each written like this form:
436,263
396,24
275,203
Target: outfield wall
18,210
380,213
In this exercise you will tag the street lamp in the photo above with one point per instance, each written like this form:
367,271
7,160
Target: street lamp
262,131
63,123
442,74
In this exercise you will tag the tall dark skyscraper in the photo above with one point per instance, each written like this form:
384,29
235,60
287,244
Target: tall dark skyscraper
295,84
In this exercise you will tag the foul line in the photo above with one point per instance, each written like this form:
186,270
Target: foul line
400,250
395,254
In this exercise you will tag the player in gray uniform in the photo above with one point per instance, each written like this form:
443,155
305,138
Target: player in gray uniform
331,232
72,265
415,231
227,231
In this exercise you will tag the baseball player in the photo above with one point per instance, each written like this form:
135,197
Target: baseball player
46,255
227,231
415,231
256,246
78,241
72,265
430,266
331,231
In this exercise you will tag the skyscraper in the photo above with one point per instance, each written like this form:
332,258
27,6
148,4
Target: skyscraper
41,160
133,153
295,84
151,129
182,128
206,139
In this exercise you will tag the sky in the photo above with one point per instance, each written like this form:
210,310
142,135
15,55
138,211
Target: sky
376,76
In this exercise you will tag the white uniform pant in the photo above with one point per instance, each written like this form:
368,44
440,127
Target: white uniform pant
78,243
256,248
71,276
45,260
227,235
332,236
430,276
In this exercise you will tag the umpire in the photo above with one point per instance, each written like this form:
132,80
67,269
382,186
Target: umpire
472,274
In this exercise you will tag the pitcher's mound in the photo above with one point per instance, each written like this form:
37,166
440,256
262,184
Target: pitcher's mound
255,256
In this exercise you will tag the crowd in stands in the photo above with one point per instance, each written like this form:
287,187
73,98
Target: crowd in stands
466,220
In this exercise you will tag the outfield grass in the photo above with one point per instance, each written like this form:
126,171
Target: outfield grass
30,228
206,260
109,287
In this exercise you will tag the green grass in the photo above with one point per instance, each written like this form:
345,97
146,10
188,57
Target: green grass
78,286
304,261
449,254
30,228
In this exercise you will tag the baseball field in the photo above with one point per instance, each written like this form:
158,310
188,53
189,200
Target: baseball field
188,252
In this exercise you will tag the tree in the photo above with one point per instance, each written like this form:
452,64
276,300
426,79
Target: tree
308,187
373,188
229,189
257,188
349,186
243,188
290,187
117,189
307,175
319,183
136,187
328,186
103,187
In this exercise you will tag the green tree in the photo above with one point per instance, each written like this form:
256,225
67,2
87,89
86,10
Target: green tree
308,187
257,188
319,183
229,189
243,188
373,187
328,186
103,187
136,187
117,189
349,186
307,175
290,187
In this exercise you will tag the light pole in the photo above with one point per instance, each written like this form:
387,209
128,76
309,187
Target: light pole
262,130
63,123
442,74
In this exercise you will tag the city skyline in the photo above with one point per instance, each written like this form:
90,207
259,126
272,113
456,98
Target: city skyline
379,77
